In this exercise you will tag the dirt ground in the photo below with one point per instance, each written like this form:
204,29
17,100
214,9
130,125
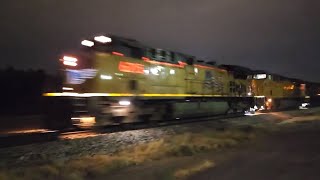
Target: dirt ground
293,153
289,155
281,145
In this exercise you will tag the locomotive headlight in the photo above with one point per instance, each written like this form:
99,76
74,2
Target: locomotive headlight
69,61
102,39
84,121
304,106
87,43
67,88
249,93
124,103
87,120
270,100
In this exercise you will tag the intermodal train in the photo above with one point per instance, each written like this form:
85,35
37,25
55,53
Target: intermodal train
117,80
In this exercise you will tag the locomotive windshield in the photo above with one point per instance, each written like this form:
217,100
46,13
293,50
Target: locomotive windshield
120,46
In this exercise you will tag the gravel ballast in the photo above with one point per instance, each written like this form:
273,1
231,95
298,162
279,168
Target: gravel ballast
107,144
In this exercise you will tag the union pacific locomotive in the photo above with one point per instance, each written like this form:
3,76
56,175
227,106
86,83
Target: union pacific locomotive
116,80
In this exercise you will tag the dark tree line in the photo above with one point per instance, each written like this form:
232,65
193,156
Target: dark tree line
21,90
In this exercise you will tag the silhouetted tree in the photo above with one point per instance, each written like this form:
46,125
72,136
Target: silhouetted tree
21,90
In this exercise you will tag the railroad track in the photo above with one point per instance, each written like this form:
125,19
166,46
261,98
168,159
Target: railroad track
17,139
24,138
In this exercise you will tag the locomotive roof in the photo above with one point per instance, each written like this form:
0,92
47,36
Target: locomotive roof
240,70
236,68
138,44
129,41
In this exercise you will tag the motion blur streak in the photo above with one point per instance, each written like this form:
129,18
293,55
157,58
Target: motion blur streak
69,63
70,59
128,95
27,131
78,135
67,88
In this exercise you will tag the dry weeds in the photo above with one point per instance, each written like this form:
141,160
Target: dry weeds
186,144
186,172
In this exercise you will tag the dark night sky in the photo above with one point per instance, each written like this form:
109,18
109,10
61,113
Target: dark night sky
281,36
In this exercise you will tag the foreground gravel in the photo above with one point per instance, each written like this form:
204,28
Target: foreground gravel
102,144
107,144
66,149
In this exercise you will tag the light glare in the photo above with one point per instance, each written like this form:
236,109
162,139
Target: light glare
87,43
105,77
102,39
70,63
87,120
124,103
154,71
69,58
67,88
260,76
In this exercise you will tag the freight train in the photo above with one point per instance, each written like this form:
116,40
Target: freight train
116,80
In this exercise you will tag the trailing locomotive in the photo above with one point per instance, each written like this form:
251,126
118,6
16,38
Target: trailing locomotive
274,92
119,80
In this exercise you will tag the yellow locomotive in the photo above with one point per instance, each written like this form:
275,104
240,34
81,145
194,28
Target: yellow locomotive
116,80
277,92
119,80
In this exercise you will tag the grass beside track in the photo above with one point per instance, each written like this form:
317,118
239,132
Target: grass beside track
186,172
98,166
